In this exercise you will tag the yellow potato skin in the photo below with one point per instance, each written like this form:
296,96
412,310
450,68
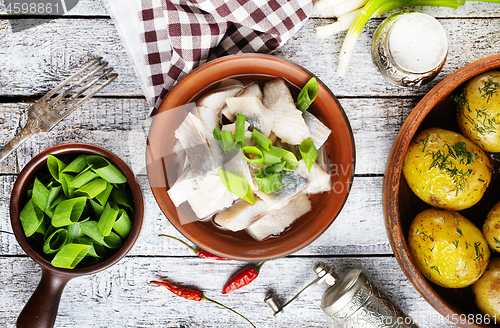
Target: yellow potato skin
487,290
447,249
478,111
446,170
491,227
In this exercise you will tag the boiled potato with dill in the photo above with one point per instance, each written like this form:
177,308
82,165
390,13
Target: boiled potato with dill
486,290
491,228
447,249
446,170
478,110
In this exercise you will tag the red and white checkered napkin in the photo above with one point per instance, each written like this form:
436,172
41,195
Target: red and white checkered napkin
179,35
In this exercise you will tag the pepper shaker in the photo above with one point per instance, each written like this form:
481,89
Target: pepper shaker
351,300
409,48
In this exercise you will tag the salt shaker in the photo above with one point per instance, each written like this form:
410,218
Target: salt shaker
351,300
409,48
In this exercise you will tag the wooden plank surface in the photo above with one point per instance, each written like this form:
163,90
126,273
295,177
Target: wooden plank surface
41,64
122,296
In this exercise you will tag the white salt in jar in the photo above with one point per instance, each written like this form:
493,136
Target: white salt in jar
410,48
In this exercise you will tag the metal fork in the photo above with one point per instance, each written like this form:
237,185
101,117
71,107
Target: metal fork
45,113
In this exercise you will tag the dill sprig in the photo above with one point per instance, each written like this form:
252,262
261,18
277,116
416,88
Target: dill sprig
489,89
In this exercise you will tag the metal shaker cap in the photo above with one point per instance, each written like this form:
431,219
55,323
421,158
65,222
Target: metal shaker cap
340,294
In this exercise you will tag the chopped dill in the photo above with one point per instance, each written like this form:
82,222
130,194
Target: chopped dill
459,231
489,89
425,233
455,243
424,142
436,269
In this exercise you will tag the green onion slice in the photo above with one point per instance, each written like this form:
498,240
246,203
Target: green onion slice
113,240
55,166
123,225
290,161
121,198
227,140
237,185
239,130
268,183
75,231
55,241
98,208
31,218
77,165
253,150
105,169
309,153
82,179
68,211
102,198
70,255
40,195
273,155
261,139
53,195
92,189
108,218
307,95
91,229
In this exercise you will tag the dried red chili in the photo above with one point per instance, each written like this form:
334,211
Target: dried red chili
242,278
194,295
198,251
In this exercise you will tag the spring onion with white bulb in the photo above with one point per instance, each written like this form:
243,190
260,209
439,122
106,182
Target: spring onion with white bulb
375,8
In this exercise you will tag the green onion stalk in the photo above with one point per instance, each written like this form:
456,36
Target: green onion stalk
378,7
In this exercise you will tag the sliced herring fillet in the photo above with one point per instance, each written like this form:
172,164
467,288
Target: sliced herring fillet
255,112
236,164
208,108
319,131
184,187
190,134
252,90
181,160
275,222
293,184
323,160
213,190
319,180
274,91
201,207
241,215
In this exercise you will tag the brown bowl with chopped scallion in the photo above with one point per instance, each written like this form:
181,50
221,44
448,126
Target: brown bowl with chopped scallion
438,109
76,209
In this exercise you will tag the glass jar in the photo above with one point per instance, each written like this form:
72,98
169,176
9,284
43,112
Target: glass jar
409,48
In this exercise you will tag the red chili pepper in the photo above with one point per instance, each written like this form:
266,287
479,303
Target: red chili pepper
242,278
194,295
198,251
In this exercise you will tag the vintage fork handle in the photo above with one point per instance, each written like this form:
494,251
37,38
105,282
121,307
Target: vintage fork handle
27,131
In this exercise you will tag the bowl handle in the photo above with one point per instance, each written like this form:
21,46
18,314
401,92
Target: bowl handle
41,309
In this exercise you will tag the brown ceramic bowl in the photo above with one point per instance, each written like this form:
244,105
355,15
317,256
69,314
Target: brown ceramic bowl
41,309
401,205
239,245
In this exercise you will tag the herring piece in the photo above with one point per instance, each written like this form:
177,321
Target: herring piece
201,207
235,163
275,222
288,125
319,180
323,160
293,183
255,112
208,108
184,187
181,161
252,90
275,91
192,138
319,131
241,215
214,190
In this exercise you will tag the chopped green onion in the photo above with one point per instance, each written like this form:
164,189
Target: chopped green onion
105,169
70,255
290,161
40,195
75,231
112,240
307,95
55,166
217,135
98,208
92,189
102,198
239,130
253,150
56,241
91,229
237,185
123,225
273,155
108,218
82,179
68,211
31,218
120,198
77,165
261,139
268,183
275,168
309,153
53,195
227,140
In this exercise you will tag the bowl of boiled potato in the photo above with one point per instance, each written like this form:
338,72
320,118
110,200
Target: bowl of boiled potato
442,195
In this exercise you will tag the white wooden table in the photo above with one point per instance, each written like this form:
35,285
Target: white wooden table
33,60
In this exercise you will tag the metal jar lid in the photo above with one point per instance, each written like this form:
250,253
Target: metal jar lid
342,293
